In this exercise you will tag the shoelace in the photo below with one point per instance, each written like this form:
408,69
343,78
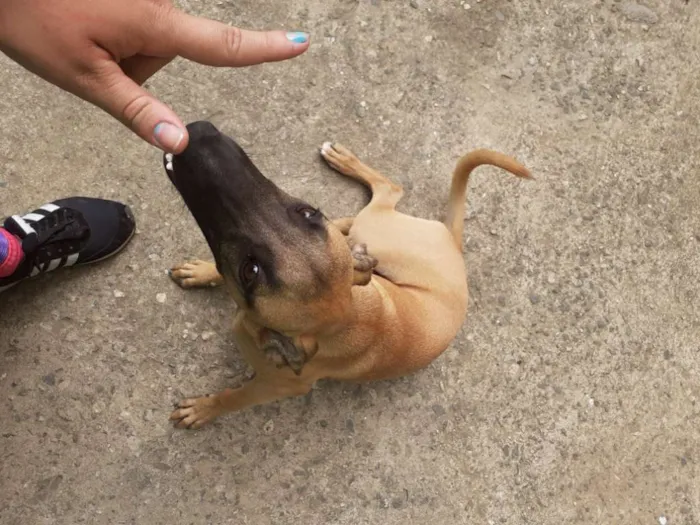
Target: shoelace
62,232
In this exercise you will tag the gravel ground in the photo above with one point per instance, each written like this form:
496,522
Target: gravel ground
570,395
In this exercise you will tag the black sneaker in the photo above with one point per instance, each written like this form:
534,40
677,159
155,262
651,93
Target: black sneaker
68,232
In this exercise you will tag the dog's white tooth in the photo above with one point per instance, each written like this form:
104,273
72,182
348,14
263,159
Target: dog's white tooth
169,157
169,166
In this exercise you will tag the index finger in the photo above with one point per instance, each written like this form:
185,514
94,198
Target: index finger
215,44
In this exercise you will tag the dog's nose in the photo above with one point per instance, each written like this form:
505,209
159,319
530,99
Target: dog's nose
202,129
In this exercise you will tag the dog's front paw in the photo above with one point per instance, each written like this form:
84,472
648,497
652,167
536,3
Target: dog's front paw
195,274
195,413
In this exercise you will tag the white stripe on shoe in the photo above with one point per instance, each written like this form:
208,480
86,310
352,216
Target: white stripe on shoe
40,213
53,265
33,217
26,228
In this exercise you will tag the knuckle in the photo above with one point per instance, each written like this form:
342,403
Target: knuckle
104,84
163,10
161,18
135,108
85,80
232,41
90,72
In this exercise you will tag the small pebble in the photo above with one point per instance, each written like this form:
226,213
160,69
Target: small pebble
638,13
438,410
161,298
119,294
662,520
269,427
207,335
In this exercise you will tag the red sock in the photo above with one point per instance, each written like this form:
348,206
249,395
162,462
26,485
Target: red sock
11,248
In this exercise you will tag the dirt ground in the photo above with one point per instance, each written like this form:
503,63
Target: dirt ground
571,394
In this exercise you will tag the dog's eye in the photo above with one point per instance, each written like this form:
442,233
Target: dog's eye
307,212
250,270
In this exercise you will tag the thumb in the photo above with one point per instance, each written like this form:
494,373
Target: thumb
137,109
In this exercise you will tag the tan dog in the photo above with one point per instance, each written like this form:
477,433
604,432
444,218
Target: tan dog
312,303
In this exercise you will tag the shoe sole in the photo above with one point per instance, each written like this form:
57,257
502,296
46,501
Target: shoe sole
119,249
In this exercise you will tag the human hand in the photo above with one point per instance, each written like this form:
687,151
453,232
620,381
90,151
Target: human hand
103,50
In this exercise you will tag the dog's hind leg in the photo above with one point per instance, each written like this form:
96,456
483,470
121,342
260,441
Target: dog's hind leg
385,194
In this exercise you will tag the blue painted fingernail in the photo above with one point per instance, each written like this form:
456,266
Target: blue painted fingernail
298,37
168,136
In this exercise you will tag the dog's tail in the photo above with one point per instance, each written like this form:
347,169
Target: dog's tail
460,177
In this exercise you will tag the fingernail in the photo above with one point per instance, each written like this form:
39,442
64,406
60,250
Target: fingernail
298,37
168,136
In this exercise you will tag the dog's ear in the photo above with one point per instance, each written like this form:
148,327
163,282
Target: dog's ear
363,264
